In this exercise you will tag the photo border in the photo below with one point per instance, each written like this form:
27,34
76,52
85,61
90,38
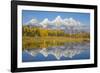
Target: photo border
14,38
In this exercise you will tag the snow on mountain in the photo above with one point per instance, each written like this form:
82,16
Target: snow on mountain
66,24
45,23
60,23
33,22
57,21
71,22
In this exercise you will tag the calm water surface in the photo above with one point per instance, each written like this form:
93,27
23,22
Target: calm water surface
57,52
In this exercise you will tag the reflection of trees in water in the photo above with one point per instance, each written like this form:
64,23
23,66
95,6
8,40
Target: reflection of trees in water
67,50
48,42
43,43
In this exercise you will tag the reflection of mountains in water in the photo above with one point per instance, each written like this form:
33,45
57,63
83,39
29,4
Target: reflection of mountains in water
68,50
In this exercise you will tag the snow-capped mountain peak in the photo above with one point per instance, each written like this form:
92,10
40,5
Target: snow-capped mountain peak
71,22
33,21
45,22
57,21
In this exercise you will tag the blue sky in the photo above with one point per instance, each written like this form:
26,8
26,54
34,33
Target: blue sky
40,15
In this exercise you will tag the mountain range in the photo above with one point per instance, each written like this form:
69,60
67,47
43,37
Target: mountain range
59,23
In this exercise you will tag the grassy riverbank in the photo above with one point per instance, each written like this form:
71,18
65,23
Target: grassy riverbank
44,42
